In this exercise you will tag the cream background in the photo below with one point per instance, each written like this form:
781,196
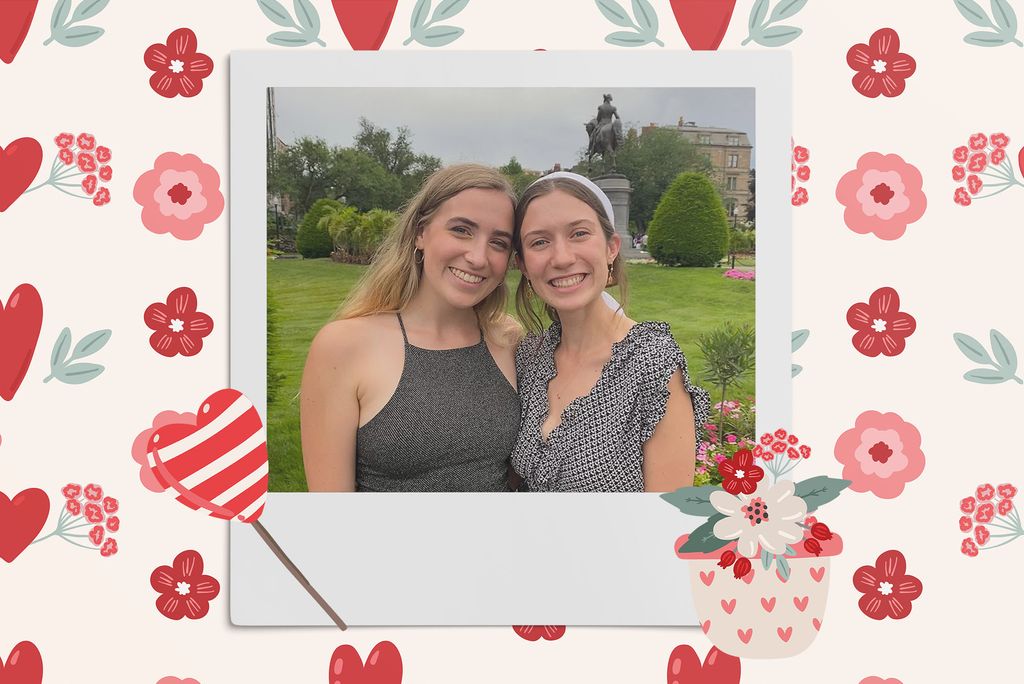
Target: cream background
93,619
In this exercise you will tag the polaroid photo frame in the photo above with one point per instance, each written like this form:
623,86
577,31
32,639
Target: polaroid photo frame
485,559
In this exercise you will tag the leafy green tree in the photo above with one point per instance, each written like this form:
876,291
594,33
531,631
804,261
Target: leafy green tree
729,356
312,240
303,172
689,227
519,177
752,186
363,181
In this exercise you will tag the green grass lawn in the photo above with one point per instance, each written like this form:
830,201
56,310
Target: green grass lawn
307,292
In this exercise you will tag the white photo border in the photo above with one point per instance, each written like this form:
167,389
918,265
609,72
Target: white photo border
486,559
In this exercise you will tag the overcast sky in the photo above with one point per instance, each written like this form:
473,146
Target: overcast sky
539,126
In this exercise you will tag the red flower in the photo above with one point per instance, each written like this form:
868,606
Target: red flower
821,531
974,184
93,513
985,513
184,590
110,505
978,141
741,567
881,327
179,69
1007,491
106,173
89,184
66,156
960,154
961,197
812,545
985,492
73,506
800,154
967,505
64,140
96,535
109,547
113,523
966,523
799,197
102,154
739,474
1004,507
977,162
726,559
533,632
999,140
179,327
86,141
86,162
981,535
968,548
958,173
998,156
888,590
881,68
102,197
73,491
93,492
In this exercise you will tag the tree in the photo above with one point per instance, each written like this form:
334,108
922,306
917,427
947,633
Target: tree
312,240
729,355
753,197
363,181
394,153
689,227
340,224
517,175
301,171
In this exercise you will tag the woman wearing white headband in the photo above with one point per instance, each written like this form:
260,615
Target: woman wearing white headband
607,404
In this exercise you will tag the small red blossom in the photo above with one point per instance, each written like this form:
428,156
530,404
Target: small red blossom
89,184
64,140
981,535
93,513
1004,507
96,535
812,545
1007,491
779,447
113,523
86,162
978,141
999,140
178,68
958,173
974,184
881,327
805,451
66,156
966,523
986,492
961,197
977,162
767,439
109,547
102,197
73,506
960,154
800,154
792,439
739,474
93,492
985,513
103,154
726,559
821,531
967,505
968,548
110,505
179,327
998,156
799,197
71,491
762,453
888,589
792,453
86,141
881,68
810,520
184,590
741,567
106,173
803,173
780,434
536,632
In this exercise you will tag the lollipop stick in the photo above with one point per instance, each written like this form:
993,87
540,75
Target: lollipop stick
279,552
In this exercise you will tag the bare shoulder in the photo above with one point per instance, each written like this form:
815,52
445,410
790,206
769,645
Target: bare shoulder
345,342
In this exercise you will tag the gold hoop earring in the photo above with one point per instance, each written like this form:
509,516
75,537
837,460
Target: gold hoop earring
417,256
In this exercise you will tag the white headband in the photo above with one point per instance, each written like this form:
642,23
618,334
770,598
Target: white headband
588,184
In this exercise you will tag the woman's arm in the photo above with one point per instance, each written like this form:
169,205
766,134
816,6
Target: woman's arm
670,454
329,410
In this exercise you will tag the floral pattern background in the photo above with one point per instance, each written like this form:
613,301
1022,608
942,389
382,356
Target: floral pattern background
139,88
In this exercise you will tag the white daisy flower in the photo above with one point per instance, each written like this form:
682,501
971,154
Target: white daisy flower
767,518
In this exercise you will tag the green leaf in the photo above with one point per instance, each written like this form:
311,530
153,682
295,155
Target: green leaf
60,349
307,15
1005,17
438,36
972,12
448,9
275,12
289,39
790,551
703,539
796,370
766,559
799,337
627,39
646,17
1006,356
88,9
60,14
79,373
757,15
783,568
785,9
972,348
818,491
693,500
90,344
614,13
419,15
985,376
774,36
78,36
986,39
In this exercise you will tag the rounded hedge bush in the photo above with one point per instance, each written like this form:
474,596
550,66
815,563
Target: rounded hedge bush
689,227
312,240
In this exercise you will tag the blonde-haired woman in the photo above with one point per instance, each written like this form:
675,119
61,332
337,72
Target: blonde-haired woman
411,388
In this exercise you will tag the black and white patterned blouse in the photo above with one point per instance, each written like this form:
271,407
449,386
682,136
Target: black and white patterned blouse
598,444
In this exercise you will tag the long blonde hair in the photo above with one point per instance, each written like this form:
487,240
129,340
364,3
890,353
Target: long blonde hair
526,305
393,277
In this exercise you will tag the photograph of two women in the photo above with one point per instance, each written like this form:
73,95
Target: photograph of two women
509,290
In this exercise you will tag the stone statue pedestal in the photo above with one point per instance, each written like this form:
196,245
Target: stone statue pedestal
618,188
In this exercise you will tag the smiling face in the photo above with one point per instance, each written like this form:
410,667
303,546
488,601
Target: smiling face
466,246
565,252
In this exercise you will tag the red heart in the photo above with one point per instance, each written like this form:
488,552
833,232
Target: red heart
21,519
24,665
719,668
703,22
218,464
15,18
20,322
19,164
384,666
365,22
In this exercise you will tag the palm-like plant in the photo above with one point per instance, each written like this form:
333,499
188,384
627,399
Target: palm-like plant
729,355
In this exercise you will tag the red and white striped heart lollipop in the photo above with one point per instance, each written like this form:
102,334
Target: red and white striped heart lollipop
219,464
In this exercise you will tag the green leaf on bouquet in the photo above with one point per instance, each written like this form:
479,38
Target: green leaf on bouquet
774,36
799,337
986,39
289,39
1006,356
972,348
703,539
693,500
448,9
77,36
275,12
818,491
614,13
88,9
766,558
796,370
646,17
972,12
783,568
1005,17
785,9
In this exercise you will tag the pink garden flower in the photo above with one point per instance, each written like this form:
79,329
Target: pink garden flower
180,195
880,454
882,195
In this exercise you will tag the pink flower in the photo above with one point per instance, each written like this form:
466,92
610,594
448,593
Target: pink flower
881,327
141,445
866,680
180,195
175,680
880,454
882,195
881,68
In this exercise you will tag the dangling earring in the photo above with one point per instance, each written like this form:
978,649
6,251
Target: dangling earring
529,288
417,255
611,274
